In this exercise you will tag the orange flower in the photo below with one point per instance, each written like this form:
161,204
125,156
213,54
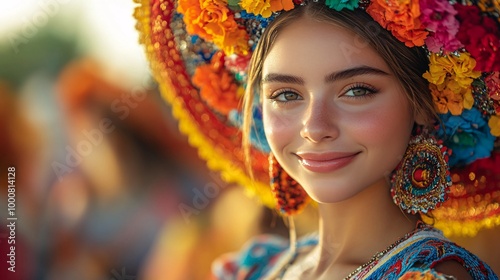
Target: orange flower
447,101
401,17
265,8
217,85
279,5
191,10
214,22
422,275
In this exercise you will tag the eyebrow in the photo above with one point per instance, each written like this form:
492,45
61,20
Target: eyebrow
282,78
341,75
352,72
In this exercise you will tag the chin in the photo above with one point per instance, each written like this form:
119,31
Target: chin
331,194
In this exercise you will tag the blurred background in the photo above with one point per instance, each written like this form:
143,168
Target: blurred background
106,187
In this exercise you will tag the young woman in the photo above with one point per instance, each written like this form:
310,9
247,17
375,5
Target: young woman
350,112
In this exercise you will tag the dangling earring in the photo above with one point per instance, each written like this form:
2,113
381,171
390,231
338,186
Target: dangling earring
422,179
291,198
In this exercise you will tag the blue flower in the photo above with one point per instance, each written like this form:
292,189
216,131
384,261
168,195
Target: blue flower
467,135
257,135
338,5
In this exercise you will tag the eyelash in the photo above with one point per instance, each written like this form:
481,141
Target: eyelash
370,91
275,95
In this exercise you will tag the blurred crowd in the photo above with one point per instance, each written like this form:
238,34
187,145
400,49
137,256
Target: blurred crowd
106,186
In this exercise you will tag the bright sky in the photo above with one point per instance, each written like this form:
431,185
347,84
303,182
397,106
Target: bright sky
106,27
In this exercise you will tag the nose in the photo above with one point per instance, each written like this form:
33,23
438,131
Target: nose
319,122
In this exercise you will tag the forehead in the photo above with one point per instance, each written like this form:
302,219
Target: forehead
309,45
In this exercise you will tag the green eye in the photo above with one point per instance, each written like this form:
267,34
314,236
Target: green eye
357,92
290,95
286,95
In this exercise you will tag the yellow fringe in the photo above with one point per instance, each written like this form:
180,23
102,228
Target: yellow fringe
230,173
215,159
462,228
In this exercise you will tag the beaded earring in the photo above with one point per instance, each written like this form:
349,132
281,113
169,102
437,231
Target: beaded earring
422,179
291,198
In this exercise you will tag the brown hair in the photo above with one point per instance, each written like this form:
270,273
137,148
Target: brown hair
407,64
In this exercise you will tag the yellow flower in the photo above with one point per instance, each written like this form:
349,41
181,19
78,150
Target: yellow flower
459,68
235,41
494,124
468,99
262,8
464,70
450,78
265,8
438,69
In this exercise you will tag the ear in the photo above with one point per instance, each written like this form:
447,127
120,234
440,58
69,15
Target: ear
423,119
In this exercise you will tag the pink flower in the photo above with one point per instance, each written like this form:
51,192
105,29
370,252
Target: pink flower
438,17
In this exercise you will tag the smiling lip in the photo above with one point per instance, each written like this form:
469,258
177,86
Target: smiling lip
325,162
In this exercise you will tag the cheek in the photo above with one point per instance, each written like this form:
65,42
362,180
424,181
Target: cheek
386,129
374,125
277,127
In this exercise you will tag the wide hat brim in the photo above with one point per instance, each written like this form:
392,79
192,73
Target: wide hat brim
473,202
219,145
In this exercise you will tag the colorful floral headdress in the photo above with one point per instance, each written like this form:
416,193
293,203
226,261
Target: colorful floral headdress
199,51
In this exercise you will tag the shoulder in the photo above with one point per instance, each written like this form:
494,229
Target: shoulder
257,257
430,252
449,258
445,270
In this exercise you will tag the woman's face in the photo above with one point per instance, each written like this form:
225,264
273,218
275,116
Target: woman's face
335,116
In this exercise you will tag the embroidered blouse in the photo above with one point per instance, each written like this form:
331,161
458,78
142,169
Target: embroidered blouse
413,258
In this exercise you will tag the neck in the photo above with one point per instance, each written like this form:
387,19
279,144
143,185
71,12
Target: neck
352,231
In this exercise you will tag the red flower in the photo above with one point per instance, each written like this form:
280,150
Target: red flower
493,83
481,37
